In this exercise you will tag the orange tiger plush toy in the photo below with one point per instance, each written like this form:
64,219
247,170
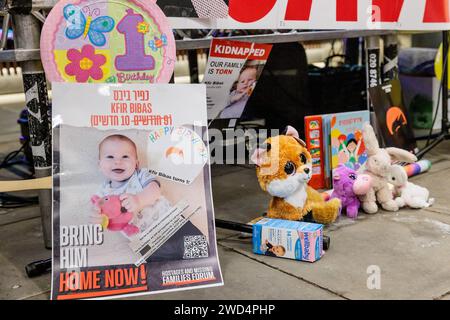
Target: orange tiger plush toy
284,168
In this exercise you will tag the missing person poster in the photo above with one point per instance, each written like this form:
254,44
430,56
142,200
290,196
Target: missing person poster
231,75
132,203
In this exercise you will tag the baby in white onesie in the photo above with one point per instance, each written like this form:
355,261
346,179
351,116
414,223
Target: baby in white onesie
139,190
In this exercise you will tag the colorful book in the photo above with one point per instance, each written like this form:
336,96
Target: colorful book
314,143
347,145
335,139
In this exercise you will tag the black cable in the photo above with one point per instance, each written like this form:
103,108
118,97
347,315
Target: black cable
16,198
12,155
11,201
17,206
441,88
8,201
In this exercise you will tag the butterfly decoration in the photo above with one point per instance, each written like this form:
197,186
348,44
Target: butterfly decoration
158,43
79,25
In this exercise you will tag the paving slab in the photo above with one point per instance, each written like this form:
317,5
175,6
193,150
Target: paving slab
437,182
237,195
245,278
11,216
20,244
411,249
40,296
441,150
437,178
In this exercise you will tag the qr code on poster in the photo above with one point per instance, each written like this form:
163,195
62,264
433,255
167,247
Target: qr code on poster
195,247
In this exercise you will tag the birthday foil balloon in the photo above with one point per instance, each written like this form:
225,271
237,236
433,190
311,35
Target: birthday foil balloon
120,41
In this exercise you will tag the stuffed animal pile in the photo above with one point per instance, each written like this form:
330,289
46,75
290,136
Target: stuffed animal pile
284,168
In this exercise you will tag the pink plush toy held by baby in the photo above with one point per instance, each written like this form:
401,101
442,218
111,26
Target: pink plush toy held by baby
114,216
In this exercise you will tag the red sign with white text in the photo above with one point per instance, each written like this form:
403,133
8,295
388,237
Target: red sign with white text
346,10
240,50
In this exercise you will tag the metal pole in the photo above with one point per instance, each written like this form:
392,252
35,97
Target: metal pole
445,62
193,66
390,60
373,74
352,51
27,32
5,27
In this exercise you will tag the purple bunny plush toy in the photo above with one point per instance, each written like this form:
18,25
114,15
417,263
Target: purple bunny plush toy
347,185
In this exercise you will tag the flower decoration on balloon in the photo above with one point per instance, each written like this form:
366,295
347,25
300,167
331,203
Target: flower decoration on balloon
85,64
143,27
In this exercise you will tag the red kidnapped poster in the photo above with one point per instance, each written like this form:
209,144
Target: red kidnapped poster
231,75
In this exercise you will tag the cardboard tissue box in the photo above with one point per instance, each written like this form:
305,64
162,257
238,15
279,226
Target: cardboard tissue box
288,239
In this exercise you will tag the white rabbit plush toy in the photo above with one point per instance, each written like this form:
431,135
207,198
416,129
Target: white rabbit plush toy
407,193
378,166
